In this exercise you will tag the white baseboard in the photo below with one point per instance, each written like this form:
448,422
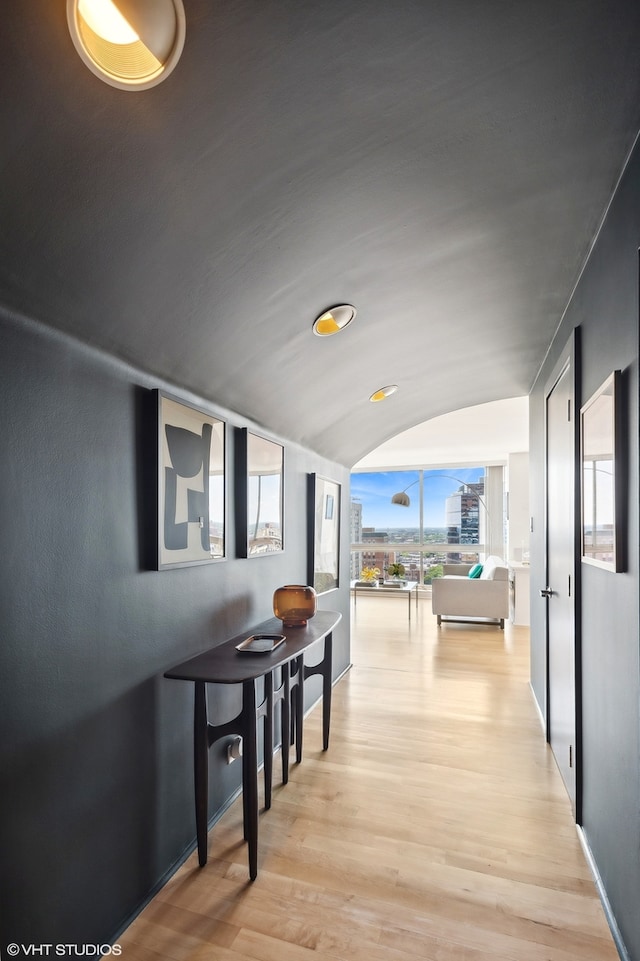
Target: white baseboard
611,920
543,723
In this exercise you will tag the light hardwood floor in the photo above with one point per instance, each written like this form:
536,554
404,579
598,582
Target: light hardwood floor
435,827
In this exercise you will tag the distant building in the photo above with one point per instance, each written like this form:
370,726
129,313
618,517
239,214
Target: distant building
374,557
463,520
355,520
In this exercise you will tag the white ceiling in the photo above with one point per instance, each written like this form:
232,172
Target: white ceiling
484,434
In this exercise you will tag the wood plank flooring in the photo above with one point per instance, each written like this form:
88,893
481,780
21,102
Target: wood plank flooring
436,827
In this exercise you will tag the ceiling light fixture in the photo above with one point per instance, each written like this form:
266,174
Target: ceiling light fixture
334,320
130,44
383,393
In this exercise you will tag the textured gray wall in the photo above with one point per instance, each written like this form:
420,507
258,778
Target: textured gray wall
96,780
605,309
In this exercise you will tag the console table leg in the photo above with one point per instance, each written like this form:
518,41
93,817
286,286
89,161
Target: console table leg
299,706
201,769
327,667
250,774
268,739
285,723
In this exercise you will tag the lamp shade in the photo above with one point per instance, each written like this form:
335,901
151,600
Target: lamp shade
401,498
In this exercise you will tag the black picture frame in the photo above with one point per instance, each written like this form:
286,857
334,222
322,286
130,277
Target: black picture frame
259,495
323,533
191,484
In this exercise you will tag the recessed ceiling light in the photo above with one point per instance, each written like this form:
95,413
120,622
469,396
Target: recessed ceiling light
383,393
334,320
130,44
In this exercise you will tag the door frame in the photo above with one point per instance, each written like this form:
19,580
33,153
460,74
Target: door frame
569,357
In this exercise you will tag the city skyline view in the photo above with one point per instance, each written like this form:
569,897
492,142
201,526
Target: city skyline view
375,489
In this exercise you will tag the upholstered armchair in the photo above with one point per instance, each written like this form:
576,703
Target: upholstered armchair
456,595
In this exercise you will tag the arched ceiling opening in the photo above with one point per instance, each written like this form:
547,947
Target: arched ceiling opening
482,435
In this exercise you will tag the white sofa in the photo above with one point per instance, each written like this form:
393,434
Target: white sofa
457,596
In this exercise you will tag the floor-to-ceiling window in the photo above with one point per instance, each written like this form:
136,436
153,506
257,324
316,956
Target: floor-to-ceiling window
419,518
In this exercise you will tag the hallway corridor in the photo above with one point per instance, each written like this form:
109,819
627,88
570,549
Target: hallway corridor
436,827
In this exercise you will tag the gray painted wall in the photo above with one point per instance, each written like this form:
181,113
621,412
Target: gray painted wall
96,780
605,309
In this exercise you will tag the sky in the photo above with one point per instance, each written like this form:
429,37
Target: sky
374,490
270,501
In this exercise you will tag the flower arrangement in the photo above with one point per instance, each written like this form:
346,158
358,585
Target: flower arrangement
369,574
396,570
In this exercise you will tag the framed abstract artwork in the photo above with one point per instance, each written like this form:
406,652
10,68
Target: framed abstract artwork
259,495
191,485
601,477
323,523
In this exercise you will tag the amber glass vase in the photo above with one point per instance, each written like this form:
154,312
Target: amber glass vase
294,604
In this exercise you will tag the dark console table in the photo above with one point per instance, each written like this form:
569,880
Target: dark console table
224,665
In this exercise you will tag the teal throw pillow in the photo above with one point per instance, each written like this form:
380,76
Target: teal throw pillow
475,571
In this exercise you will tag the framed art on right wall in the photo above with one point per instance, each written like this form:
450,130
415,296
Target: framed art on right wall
602,476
